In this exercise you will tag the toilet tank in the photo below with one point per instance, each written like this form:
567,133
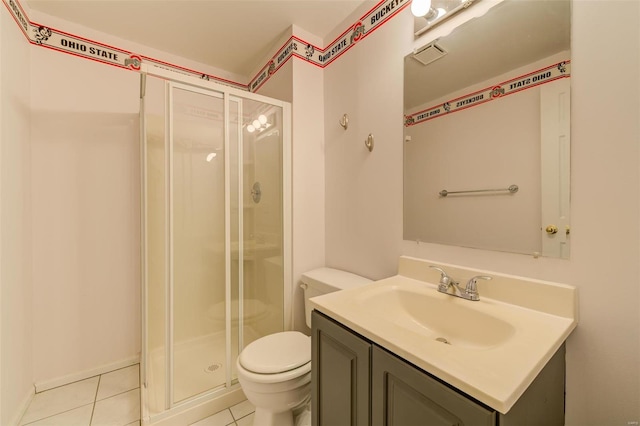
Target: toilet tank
327,280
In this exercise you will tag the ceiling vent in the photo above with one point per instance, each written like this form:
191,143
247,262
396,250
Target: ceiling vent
429,53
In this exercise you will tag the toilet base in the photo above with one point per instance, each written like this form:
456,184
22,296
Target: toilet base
299,416
263,417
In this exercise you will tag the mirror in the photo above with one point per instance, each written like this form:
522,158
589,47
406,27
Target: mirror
437,11
487,132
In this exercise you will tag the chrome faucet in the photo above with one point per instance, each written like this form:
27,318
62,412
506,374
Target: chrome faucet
471,290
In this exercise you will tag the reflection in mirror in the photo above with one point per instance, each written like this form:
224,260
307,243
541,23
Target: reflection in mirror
490,109
429,13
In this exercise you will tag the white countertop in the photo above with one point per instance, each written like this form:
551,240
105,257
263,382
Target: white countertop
520,337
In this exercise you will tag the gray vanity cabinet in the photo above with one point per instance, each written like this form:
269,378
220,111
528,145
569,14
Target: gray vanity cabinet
403,396
355,382
340,369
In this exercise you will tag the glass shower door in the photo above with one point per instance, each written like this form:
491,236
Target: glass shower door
262,284
198,241
215,251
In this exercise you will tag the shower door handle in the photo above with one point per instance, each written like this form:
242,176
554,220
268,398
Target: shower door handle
256,192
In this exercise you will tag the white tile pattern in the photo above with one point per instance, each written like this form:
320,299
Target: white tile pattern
76,417
119,410
59,400
112,399
238,415
119,381
243,409
223,418
245,421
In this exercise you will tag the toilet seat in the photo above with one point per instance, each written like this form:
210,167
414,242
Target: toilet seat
301,374
277,353
276,358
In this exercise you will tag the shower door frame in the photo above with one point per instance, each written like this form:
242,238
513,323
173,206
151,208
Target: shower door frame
228,94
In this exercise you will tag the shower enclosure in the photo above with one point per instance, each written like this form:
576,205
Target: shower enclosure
215,235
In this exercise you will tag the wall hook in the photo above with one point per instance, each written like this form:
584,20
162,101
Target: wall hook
344,121
369,142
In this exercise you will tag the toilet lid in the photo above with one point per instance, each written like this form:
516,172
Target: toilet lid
277,353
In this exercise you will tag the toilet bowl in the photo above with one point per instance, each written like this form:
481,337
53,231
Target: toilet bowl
275,371
275,375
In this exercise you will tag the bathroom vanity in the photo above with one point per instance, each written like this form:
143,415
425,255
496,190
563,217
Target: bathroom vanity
356,382
398,352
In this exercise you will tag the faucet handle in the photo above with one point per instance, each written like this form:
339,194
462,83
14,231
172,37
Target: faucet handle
472,288
445,280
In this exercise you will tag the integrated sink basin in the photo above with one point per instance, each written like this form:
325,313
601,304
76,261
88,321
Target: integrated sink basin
491,349
436,316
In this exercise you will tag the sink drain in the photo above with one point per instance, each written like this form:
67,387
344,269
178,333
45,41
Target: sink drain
443,340
212,368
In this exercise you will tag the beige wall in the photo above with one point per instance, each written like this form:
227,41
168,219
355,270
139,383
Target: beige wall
308,178
364,189
16,312
85,195
364,195
86,239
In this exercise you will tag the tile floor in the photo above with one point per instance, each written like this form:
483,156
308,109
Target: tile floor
111,399
238,415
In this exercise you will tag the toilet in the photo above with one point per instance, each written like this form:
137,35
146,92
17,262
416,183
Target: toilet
275,370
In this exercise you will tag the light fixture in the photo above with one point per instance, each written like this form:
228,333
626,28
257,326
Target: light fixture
441,12
211,156
434,12
259,124
420,7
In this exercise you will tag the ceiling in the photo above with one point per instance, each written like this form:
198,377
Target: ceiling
510,35
231,35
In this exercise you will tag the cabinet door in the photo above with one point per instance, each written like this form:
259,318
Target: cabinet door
402,395
340,362
543,402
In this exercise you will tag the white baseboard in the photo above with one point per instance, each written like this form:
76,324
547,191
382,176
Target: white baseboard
22,408
70,378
